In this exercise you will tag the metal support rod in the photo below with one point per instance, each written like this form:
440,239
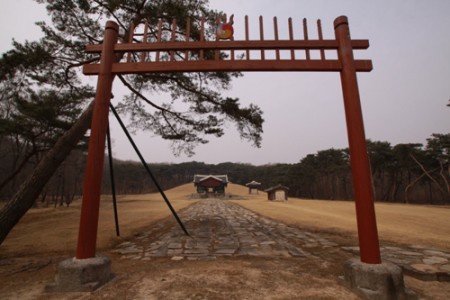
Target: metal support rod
87,234
362,179
113,185
148,169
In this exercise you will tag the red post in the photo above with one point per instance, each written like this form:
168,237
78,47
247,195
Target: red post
362,179
87,235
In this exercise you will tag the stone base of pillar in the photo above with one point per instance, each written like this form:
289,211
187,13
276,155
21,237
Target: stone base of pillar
376,281
81,275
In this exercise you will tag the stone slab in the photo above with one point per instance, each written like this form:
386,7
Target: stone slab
81,275
375,281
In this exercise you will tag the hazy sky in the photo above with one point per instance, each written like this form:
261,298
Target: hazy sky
404,98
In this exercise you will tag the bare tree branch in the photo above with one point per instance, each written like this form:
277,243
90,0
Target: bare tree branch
428,174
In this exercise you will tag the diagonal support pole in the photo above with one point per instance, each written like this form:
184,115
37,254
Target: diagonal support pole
113,184
144,163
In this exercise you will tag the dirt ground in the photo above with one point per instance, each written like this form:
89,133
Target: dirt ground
45,236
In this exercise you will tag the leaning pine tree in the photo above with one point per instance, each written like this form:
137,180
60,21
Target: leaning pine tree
194,111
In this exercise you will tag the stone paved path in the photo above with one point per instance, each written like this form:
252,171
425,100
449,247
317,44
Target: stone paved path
220,228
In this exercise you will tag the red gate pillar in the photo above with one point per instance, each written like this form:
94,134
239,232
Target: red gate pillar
87,234
362,179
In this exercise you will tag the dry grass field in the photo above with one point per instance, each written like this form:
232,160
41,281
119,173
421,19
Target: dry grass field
46,235
419,225
48,230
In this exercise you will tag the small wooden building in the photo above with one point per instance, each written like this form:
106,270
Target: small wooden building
277,193
253,187
211,184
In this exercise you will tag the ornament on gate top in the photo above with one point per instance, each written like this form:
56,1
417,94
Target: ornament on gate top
224,30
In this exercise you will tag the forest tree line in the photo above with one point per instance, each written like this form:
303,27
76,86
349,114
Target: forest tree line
408,173
45,114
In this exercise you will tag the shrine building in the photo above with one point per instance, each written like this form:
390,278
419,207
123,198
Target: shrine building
277,193
253,187
211,184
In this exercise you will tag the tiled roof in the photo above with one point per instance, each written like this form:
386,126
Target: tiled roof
200,178
277,187
253,183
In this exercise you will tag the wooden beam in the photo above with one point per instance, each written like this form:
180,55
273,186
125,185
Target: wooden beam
230,45
225,66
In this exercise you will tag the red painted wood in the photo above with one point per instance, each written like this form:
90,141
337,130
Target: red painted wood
230,45
87,235
345,64
224,65
362,179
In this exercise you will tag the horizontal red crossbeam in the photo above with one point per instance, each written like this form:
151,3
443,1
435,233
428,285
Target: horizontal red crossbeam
229,45
227,65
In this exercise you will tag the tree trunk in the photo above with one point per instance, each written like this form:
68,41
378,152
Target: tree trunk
410,185
430,192
17,170
444,178
394,188
444,193
30,189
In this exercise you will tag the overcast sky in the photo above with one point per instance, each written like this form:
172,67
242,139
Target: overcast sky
403,99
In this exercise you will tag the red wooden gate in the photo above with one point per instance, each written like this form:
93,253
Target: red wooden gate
176,56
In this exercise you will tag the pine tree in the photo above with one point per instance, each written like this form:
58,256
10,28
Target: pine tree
48,72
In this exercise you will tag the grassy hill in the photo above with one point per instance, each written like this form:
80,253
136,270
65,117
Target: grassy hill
48,230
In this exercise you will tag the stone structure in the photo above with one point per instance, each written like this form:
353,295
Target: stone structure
81,275
375,281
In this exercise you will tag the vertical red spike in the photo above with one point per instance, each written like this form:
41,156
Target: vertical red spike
202,36
275,30
319,30
305,34
217,52
247,37
188,34
232,50
291,37
144,40
261,35
159,38
130,40
172,38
